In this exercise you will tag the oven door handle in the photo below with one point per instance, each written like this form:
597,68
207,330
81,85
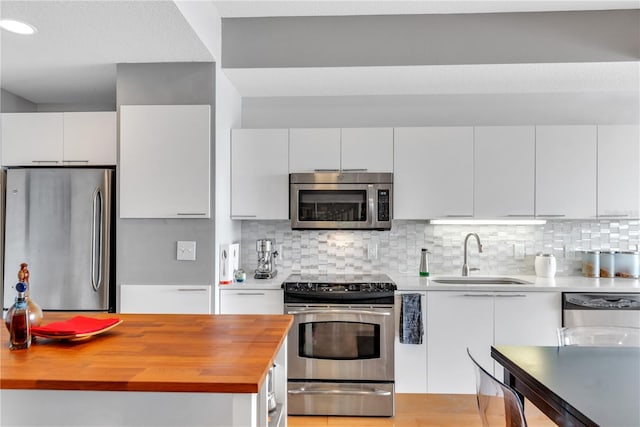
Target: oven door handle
367,312
374,392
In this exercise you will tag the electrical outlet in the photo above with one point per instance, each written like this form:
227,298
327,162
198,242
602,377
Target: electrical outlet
372,251
518,250
186,251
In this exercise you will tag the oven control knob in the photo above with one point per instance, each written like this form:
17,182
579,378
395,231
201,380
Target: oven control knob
352,287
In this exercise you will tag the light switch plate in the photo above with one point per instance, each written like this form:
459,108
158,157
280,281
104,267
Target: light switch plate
186,251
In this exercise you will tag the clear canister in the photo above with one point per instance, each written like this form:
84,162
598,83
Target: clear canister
628,264
607,264
591,263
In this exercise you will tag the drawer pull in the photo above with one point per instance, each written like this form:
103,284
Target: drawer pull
191,213
192,289
250,293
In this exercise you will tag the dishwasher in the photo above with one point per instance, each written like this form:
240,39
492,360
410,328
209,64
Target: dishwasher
600,309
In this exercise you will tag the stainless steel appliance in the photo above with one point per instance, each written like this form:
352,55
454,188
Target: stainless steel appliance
601,309
341,345
60,222
266,259
337,200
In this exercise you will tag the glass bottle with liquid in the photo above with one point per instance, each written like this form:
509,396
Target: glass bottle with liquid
19,322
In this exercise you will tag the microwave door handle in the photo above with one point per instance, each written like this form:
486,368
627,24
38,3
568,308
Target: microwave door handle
371,209
359,312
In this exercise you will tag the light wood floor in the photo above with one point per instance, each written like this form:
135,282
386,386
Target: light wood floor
423,410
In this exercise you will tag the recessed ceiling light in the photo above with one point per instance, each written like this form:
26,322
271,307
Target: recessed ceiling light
17,27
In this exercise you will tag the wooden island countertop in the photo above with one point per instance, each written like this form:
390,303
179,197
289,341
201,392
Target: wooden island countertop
152,353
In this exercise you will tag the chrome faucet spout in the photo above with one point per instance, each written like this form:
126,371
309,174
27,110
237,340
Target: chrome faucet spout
465,266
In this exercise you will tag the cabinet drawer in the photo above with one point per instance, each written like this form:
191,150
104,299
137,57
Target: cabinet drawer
165,299
251,301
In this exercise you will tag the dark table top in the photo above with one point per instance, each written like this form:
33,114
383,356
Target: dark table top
603,383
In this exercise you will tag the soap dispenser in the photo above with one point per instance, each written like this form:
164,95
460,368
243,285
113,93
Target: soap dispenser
424,263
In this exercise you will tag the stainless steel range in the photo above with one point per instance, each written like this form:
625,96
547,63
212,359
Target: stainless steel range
340,347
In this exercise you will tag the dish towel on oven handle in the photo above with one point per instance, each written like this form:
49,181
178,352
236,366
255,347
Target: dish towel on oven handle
411,329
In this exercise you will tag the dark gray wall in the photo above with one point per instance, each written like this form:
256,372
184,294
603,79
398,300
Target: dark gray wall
147,247
493,38
12,103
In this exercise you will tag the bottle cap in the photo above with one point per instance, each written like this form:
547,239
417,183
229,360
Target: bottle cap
21,287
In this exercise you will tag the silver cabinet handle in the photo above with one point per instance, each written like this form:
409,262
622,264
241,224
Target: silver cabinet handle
552,215
192,213
96,241
45,161
192,289
372,313
355,170
477,295
75,161
375,392
244,216
613,216
250,293
519,215
326,170
511,295
458,216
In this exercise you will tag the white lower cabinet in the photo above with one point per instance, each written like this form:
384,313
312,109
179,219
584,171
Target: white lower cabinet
457,320
165,299
410,359
251,301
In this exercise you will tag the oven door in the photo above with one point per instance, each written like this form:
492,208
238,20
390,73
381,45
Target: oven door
341,342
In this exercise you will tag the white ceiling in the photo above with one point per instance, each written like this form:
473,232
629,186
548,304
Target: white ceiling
72,58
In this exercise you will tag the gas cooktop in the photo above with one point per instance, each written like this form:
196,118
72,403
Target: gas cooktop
338,279
353,288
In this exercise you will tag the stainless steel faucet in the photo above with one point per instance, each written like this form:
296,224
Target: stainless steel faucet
465,267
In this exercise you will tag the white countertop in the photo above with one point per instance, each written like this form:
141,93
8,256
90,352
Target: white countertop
406,282
537,284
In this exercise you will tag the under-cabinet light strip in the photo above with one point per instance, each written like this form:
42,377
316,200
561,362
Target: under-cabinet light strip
469,221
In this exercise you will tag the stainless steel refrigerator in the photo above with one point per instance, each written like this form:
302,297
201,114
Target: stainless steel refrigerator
60,221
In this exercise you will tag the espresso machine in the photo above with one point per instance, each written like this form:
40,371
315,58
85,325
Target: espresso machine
266,259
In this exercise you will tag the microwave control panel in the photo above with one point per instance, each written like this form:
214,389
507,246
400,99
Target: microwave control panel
383,205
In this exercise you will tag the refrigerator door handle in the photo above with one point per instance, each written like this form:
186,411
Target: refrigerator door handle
96,241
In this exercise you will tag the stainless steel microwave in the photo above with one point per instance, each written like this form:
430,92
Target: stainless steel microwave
341,200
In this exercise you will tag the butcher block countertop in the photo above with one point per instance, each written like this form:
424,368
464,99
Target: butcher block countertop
151,353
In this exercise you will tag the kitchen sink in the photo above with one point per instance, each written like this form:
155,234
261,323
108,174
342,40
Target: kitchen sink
479,281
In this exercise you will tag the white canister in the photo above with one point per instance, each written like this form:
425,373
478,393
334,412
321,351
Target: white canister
545,265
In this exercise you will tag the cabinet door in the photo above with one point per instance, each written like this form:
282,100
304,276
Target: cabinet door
165,299
31,139
410,359
248,301
618,171
259,174
164,161
455,321
367,148
526,318
566,171
504,171
90,138
314,149
433,172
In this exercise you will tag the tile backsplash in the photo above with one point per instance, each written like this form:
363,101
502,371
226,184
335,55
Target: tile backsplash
507,249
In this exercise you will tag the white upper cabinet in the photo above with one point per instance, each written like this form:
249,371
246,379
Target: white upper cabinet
566,158
619,171
314,149
433,172
504,171
165,161
90,138
32,139
259,174
369,149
